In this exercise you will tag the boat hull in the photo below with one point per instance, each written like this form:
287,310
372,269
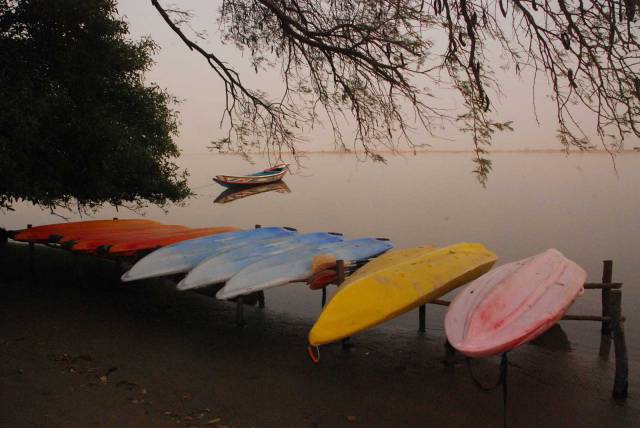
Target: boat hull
513,304
395,283
43,233
270,175
89,242
222,267
297,265
183,256
147,243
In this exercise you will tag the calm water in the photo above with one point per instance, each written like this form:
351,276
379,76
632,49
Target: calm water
533,201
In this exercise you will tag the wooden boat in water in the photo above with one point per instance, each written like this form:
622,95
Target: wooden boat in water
269,175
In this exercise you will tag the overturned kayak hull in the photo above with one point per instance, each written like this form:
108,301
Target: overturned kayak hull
183,256
149,243
222,267
89,242
395,283
297,265
513,304
42,234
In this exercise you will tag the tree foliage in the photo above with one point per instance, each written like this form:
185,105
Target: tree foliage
78,125
376,62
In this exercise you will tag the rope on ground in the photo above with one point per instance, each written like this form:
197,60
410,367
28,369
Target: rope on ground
502,381
312,355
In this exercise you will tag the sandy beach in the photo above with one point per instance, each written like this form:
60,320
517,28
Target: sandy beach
79,348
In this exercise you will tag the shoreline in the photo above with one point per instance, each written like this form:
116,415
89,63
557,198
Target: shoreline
428,151
97,352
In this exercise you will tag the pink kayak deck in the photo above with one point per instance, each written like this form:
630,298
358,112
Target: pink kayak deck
513,304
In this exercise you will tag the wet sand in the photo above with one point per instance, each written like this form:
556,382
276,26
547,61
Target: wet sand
89,351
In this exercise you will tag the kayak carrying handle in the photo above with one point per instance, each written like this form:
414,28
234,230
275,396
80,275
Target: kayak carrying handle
312,355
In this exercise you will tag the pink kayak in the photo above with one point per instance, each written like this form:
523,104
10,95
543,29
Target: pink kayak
513,304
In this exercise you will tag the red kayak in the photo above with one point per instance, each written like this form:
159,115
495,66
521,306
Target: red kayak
89,244
148,243
41,234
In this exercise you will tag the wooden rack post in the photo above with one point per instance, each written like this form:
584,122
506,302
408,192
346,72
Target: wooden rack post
612,325
4,236
119,267
340,274
607,275
32,256
449,354
240,312
621,377
261,301
422,318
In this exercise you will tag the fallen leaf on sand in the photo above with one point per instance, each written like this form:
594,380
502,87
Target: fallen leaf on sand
103,380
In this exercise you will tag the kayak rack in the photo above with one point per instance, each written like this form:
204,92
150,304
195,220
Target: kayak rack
612,328
611,318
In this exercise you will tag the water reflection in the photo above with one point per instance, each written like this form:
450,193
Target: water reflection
233,194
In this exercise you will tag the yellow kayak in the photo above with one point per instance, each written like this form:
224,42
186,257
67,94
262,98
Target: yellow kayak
397,282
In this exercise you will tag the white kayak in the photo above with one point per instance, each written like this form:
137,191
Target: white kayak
513,304
220,268
297,265
185,255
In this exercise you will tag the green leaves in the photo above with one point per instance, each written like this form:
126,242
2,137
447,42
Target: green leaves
79,126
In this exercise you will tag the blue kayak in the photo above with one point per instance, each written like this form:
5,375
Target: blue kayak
185,255
223,266
296,265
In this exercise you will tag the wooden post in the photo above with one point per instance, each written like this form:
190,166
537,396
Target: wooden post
607,275
32,257
4,237
261,299
621,377
449,354
339,272
119,268
422,315
239,312
324,297
339,280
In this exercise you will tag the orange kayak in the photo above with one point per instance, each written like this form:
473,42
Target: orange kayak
89,243
71,237
149,243
42,233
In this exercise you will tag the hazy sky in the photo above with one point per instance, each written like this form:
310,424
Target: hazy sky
187,76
